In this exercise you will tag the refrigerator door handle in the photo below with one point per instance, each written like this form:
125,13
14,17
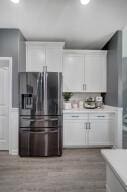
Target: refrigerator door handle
32,120
56,131
41,132
38,84
45,92
40,119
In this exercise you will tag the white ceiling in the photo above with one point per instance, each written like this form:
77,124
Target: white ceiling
66,20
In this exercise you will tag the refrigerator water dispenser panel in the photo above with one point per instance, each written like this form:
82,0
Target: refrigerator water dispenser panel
27,101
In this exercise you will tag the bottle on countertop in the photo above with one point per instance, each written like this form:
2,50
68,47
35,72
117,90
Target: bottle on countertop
81,104
99,102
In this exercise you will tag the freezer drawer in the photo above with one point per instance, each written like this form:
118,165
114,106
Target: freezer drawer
40,142
40,121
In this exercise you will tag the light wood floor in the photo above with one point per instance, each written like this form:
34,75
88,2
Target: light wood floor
78,170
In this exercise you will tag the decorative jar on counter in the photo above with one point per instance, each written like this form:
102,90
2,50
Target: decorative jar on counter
67,103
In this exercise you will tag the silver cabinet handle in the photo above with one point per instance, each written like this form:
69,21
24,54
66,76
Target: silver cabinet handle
84,87
44,68
85,125
75,116
100,116
89,125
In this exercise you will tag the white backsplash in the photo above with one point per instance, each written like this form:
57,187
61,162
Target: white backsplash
78,97
82,96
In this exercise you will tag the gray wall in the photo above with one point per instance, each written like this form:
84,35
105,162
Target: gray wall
114,70
12,44
125,85
22,53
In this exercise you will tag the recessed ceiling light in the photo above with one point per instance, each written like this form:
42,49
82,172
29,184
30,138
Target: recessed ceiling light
84,2
15,1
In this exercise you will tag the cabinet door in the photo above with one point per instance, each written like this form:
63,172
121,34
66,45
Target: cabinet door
74,133
35,58
54,60
73,66
95,72
100,132
4,99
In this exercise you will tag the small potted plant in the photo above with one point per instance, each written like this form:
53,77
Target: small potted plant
67,96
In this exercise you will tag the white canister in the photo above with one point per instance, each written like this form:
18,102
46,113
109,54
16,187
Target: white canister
67,105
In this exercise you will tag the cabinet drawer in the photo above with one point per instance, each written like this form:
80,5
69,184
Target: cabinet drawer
101,116
75,116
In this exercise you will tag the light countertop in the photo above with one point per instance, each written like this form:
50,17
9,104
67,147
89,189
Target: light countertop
105,109
117,159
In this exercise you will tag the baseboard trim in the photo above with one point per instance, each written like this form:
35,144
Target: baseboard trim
87,146
13,131
14,152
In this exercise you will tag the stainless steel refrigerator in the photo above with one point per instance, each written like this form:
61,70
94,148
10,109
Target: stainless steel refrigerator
40,126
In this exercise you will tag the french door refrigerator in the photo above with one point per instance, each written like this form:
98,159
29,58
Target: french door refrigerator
40,114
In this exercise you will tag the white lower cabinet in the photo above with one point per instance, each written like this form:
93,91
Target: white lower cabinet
88,130
113,183
74,133
100,132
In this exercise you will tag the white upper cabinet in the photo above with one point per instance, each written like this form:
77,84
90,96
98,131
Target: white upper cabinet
54,59
84,71
95,72
40,54
35,58
72,73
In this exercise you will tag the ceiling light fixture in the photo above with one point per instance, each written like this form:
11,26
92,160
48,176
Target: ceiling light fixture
15,1
84,2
